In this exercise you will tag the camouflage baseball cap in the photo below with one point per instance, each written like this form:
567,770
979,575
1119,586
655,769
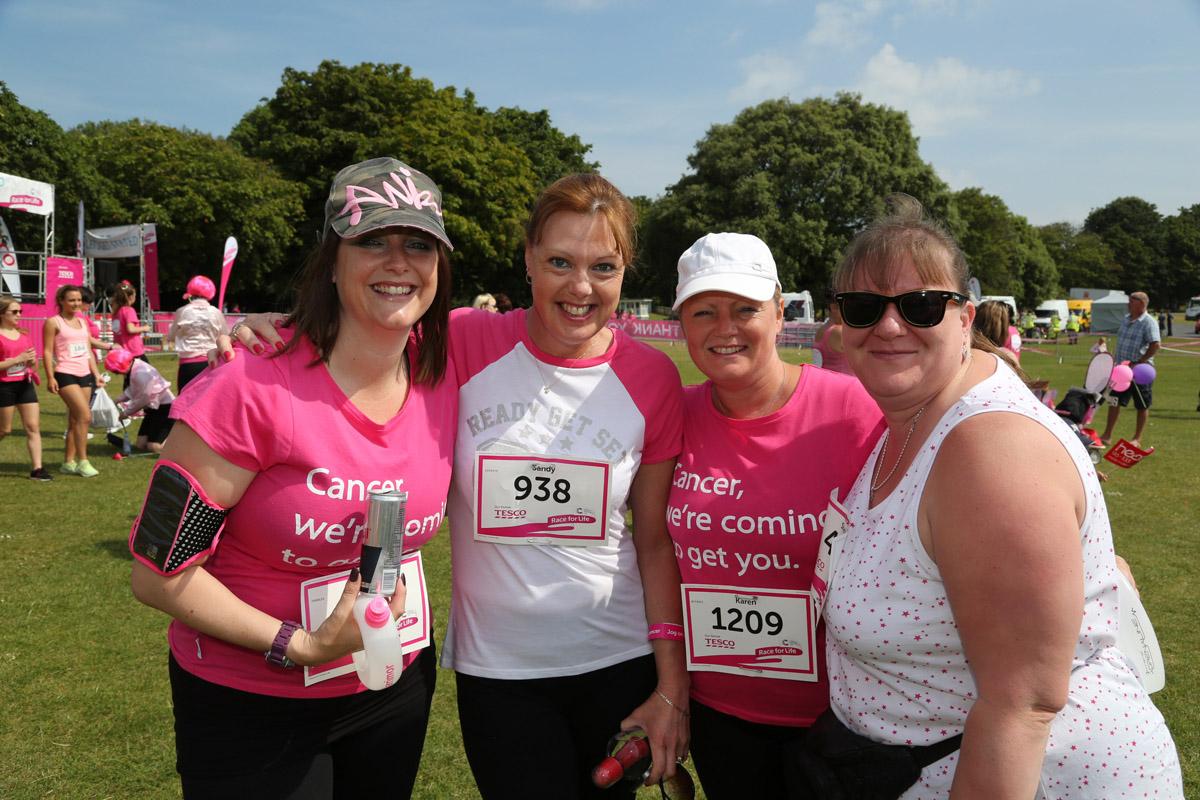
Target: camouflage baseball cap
381,193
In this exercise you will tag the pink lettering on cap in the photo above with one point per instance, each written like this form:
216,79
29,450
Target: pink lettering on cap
404,191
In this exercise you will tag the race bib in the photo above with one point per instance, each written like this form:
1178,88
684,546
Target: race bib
318,596
76,349
532,499
766,633
17,370
833,533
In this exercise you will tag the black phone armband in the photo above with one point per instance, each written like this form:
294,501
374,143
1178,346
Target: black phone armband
178,523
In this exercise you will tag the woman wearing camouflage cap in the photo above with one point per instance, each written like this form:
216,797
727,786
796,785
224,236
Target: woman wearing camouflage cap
261,491
562,618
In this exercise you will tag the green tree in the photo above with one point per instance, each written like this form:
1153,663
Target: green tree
1083,259
1003,250
1182,252
318,122
804,177
34,146
551,153
198,189
1132,229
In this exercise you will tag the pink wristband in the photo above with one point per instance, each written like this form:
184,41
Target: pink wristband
665,630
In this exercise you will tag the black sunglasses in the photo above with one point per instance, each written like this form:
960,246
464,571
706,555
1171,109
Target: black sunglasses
921,309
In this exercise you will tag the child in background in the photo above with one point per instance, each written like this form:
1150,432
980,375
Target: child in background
1100,346
146,391
127,328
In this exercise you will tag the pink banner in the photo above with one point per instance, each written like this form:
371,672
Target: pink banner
667,329
60,271
794,334
150,251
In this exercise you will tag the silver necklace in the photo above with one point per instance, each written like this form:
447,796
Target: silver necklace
546,386
903,448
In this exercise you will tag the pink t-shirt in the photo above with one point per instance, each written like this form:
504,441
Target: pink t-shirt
11,348
93,328
132,342
71,347
745,511
1013,344
832,360
317,458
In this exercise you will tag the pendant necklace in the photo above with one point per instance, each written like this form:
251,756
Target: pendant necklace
903,448
546,386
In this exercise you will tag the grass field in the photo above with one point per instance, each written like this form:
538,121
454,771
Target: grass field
84,703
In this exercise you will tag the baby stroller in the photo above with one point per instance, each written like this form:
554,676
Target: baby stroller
1078,406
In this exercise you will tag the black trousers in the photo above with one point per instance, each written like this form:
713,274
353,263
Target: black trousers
737,759
234,744
540,738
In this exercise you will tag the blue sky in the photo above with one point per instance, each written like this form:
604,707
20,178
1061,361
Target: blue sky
1057,107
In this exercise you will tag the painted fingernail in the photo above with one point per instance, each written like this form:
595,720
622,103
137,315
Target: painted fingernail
354,575
258,348
279,346
227,355
279,322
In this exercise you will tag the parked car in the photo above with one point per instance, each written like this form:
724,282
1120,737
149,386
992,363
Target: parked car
1193,309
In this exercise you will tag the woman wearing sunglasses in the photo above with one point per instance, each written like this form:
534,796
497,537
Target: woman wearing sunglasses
960,604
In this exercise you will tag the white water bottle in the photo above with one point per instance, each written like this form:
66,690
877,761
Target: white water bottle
381,660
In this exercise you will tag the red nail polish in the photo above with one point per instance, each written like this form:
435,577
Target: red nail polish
279,346
258,348
227,355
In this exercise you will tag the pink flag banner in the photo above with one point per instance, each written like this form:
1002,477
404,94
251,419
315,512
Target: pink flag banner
231,250
150,255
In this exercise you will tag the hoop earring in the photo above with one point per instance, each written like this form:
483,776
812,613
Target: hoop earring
966,352
529,279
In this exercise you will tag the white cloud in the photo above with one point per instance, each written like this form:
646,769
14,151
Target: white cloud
943,94
766,75
843,25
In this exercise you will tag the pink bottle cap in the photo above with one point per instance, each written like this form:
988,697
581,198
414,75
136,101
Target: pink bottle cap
377,613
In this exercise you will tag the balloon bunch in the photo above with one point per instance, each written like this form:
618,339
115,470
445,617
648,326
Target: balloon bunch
1123,375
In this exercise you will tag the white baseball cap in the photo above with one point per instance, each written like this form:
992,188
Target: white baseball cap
737,263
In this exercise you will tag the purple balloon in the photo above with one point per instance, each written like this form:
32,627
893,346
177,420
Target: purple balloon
1121,377
1143,374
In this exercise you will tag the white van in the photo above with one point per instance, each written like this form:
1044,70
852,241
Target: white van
798,306
1051,308
1193,309
1007,299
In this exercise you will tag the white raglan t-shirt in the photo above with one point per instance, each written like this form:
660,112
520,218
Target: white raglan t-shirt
570,432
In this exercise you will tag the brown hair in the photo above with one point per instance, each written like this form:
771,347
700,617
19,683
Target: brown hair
63,291
905,234
7,302
587,193
122,295
991,320
317,309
